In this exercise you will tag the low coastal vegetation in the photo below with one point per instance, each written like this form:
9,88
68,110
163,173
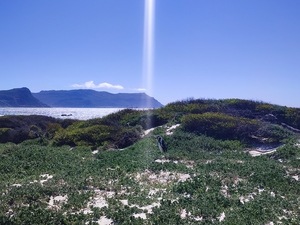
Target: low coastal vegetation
110,171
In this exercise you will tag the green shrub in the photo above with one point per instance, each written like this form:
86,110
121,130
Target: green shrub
292,117
273,133
37,141
194,106
92,135
4,134
264,108
52,128
241,104
97,135
219,125
146,118
28,127
286,152
127,136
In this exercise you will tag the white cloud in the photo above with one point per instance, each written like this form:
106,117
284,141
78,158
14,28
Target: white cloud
92,85
140,89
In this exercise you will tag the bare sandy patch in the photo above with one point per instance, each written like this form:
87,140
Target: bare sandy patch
171,129
140,215
187,163
147,208
164,177
98,200
124,201
146,132
296,177
57,201
221,217
208,161
258,152
244,200
165,161
224,191
237,180
184,214
154,191
263,149
104,221
47,177
270,223
95,152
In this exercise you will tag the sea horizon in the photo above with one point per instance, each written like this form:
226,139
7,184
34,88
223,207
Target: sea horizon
59,112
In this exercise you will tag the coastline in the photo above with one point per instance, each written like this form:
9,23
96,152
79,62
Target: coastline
62,113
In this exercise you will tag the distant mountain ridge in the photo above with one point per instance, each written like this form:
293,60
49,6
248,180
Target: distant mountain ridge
84,98
19,97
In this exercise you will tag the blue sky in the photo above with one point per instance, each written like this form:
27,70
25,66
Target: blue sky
246,49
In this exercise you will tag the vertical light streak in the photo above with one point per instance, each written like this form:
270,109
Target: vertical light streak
148,53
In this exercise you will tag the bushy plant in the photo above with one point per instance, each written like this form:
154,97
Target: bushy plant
219,125
4,134
20,128
264,108
286,152
51,129
92,135
273,133
292,117
97,135
241,104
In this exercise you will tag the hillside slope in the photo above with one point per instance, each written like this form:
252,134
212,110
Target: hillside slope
19,97
111,171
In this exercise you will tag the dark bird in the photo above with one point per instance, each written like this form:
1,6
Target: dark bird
161,144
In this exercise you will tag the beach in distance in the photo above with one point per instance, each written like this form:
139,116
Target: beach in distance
63,113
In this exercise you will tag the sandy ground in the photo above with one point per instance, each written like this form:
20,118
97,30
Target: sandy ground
169,130
163,178
263,150
45,176
259,152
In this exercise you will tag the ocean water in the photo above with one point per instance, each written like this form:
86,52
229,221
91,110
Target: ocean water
62,113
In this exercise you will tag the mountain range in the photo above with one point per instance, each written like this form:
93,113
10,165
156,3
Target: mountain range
83,98
19,97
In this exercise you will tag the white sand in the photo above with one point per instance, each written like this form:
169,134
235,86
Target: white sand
57,201
105,221
148,131
171,129
221,217
140,215
95,152
263,149
296,177
259,152
162,177
98,201
187,163
47,176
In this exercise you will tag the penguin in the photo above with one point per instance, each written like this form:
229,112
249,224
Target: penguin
161,144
